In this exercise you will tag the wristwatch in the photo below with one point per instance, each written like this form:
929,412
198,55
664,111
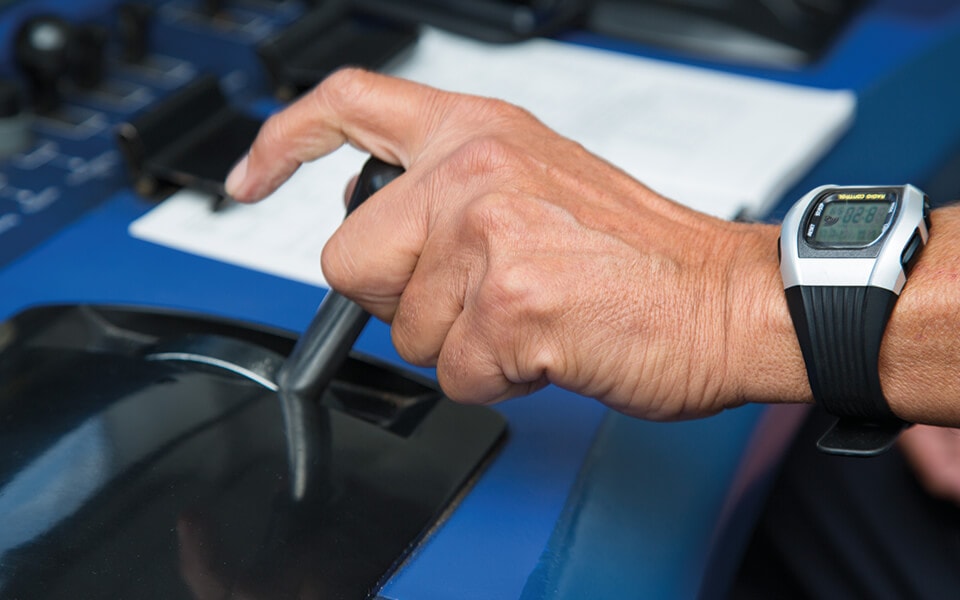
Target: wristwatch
845,253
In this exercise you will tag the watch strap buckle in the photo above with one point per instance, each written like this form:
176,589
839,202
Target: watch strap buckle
855,437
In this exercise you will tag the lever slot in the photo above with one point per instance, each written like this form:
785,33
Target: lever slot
326,39
381,395
362,388
191,139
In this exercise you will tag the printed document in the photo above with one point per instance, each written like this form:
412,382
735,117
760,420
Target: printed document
717,142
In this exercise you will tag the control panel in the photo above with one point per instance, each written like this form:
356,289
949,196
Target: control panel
98,96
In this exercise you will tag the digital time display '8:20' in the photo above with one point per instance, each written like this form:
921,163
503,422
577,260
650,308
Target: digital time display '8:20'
850,219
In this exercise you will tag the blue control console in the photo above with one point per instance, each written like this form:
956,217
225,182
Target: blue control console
577,502
73,73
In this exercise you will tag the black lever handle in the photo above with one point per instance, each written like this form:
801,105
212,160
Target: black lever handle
324,345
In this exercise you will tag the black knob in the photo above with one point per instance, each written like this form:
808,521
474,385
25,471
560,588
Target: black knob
86,55
134,28
41,53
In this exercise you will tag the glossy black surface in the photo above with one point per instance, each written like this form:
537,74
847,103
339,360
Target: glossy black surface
122,477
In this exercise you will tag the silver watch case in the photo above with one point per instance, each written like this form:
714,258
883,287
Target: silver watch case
879,265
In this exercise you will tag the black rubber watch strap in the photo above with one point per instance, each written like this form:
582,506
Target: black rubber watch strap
840,329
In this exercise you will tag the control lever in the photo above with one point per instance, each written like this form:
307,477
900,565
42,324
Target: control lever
324,345
322,348
41,53
86,55
318,355
133,24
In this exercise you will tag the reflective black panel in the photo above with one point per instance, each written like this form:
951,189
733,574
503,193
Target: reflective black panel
123,477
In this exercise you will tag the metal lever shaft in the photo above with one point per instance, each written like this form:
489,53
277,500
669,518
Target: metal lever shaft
324,345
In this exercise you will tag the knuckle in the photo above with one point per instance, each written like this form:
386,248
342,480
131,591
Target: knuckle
512,286
343,90
496,111
407,333
483,155
458,377
344,87
513,298
506,231
339,271
273,132
509,286
490,212
405,344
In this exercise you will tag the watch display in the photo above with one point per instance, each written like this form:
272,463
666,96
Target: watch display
850,219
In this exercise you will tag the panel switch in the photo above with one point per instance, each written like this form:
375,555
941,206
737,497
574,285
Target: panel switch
191,139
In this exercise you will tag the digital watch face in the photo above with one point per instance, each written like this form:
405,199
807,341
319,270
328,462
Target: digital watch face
850,218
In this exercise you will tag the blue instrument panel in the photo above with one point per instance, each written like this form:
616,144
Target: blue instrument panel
65,160
59,156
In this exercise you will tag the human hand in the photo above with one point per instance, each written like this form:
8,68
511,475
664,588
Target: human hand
510,257
934,454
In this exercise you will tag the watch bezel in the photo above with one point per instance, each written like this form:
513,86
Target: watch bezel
819,205
875,265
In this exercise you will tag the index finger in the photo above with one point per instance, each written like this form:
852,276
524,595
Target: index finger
385,116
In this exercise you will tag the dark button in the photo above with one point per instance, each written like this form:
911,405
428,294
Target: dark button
909,255
134,20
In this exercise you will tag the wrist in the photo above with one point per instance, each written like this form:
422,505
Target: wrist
920,347
764,360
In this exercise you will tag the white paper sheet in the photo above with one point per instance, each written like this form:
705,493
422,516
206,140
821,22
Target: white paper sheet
717,142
